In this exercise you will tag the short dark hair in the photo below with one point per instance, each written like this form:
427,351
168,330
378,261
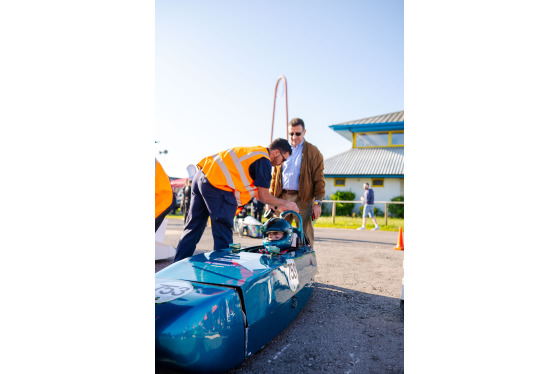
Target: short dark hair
282,145
297,122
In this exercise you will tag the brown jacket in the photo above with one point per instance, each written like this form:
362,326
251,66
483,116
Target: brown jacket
311,181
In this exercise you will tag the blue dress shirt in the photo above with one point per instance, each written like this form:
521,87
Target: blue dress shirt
291,168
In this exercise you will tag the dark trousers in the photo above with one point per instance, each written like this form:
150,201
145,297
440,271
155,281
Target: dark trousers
258,215
207,201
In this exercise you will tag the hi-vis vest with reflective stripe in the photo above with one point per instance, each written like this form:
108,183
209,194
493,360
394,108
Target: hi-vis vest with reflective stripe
229,171
164,193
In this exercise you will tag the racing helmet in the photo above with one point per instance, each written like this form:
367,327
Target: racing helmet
280,225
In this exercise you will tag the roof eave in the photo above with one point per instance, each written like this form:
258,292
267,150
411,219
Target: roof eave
388,126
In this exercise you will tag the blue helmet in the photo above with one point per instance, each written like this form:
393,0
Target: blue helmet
279,225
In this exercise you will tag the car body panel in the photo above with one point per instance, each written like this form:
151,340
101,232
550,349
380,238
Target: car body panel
267,290
202,330
265,329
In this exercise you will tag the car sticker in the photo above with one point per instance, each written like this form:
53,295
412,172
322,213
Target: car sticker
171,289
292,274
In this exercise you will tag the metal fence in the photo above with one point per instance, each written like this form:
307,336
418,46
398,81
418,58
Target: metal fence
387,203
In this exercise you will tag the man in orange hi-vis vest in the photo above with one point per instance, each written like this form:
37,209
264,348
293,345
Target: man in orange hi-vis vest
164,194
224,183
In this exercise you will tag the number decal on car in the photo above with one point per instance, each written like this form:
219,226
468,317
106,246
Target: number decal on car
292,274
171,289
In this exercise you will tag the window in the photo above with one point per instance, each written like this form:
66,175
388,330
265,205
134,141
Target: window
376,139
397,138
377,182
340,182
379,139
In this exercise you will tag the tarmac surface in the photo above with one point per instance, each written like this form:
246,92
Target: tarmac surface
352,323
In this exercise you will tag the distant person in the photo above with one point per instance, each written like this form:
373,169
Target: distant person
367,200
258,208
224,183
300,178
174,205
186,200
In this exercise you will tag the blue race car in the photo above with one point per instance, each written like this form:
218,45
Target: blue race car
215,309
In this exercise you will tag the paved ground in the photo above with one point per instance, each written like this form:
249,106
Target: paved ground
352,323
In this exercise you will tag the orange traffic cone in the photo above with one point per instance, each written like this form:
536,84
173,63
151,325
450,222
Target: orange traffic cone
400,243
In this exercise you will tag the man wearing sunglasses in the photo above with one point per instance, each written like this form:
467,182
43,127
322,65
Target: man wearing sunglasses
300,178
224,183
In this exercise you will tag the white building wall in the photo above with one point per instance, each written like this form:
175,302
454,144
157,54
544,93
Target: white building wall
392,187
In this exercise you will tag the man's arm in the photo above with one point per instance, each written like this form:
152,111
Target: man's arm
276,182
318,185
262,174
264,196
318,178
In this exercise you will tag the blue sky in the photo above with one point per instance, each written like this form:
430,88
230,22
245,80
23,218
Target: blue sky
217,63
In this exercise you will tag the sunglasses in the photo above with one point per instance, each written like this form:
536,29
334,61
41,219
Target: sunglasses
283,158
294,133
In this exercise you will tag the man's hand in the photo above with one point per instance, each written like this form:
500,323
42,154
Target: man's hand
264,196
316,211
290,205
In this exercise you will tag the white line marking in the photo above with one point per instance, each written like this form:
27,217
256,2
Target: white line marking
353,363
282,350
